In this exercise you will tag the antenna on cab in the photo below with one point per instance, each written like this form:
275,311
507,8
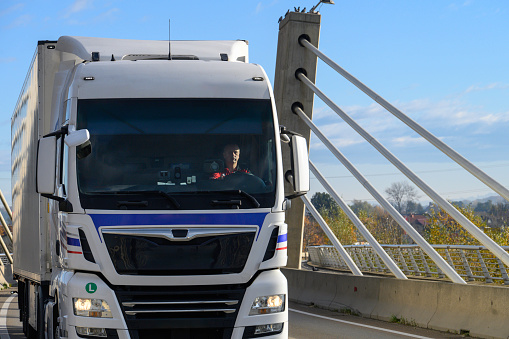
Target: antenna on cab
169,39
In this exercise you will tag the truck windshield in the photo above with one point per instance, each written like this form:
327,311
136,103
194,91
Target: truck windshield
177,153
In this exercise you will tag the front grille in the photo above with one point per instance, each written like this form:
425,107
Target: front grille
158,254
188,333
181,311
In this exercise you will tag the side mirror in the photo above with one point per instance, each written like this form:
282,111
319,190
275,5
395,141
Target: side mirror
300,164
46,165
77,138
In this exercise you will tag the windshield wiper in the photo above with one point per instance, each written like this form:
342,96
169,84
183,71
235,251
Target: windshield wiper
161,193
249,197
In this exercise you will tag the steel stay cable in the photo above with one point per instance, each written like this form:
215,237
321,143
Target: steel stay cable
6,205
444,204
444,266
458,158
337,244
9,212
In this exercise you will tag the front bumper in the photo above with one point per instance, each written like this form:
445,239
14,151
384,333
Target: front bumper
140,312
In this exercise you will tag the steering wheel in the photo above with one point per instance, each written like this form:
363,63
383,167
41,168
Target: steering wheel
245,181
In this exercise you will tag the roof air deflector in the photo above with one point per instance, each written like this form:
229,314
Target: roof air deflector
158,57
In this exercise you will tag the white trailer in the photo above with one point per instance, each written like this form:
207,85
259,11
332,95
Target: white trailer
130,218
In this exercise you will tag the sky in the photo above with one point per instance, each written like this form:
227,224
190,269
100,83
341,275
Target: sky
445,63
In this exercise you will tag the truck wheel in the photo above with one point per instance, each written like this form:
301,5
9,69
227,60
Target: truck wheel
56,324
41,303
31,332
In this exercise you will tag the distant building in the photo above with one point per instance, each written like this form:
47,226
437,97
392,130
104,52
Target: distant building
418,221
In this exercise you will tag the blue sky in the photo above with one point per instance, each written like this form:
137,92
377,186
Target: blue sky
443,62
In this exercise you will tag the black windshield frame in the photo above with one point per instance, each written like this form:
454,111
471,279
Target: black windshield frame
175,146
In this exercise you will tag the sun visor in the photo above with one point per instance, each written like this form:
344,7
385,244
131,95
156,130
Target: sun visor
103,49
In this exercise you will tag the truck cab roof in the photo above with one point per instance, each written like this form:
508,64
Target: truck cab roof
170,79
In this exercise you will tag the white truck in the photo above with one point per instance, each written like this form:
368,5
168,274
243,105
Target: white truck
128,220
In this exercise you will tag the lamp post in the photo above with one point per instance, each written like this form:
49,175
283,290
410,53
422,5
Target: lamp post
331,2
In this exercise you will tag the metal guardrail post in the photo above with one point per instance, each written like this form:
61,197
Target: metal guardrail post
448,257
503,271
403,261
358,262
466,265
425,263
485,271
417,271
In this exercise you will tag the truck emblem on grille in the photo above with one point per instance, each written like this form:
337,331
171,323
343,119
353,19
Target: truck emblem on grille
91,288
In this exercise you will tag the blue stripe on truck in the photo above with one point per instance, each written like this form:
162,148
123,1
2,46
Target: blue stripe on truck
178,219
73,241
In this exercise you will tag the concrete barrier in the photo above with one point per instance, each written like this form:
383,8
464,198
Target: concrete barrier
480,310
412,301
6,275
319,290
357,295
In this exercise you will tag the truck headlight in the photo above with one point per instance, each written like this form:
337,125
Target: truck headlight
268,304
91,308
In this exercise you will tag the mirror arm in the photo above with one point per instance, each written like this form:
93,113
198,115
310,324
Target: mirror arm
296,195
62,131
64,205
284,131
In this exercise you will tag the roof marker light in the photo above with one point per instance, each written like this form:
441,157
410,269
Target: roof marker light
88,78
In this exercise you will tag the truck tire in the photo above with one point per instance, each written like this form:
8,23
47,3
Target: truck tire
41,303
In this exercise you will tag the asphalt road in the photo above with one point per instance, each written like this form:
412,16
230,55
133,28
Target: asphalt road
305,322
311,322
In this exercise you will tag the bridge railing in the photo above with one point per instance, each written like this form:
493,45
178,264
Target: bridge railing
473,263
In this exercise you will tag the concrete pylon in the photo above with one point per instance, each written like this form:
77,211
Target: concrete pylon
288,90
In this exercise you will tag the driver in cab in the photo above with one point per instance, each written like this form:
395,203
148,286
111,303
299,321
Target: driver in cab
231,155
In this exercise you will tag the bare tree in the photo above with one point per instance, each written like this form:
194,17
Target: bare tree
400,194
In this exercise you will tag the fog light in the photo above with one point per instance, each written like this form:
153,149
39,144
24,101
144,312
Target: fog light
91,331
268,304
262,329
91,308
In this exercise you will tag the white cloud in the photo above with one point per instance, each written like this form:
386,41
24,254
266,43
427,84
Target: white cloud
442,118
108,15
495,85
457,6
22,20
7,60
78,6
12,9
406,141
259,7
